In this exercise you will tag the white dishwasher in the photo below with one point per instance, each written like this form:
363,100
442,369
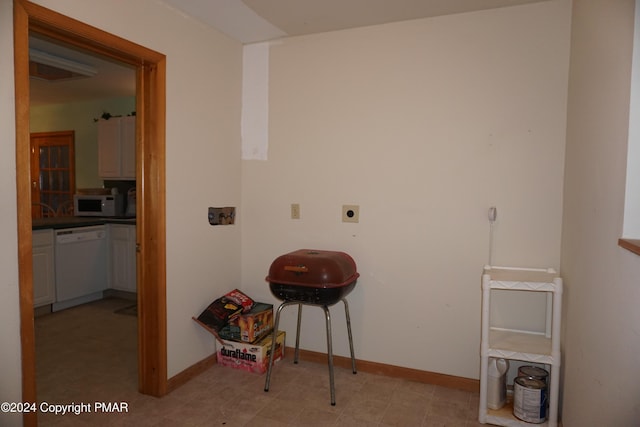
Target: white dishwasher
81,265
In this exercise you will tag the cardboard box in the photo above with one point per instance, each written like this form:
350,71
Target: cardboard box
250,357
218,313
249,327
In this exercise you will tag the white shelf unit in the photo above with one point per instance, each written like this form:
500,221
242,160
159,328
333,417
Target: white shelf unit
533,347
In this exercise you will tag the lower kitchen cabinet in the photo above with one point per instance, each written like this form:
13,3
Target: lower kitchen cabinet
122,254
44,289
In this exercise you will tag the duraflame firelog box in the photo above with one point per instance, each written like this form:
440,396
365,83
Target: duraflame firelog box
250,357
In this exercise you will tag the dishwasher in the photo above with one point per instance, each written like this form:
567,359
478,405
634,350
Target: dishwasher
81,265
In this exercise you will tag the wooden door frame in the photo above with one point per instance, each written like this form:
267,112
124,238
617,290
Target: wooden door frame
150,152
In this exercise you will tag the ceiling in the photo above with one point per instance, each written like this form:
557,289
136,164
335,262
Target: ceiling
112,79
251,21
248,21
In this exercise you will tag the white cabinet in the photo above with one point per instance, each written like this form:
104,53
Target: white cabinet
122,253
532,347
117,148
44,290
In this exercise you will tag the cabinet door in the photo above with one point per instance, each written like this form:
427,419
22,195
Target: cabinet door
128,147
109,148
44,290
52,173
123,261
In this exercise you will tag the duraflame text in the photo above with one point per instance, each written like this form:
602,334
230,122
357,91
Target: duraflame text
238,354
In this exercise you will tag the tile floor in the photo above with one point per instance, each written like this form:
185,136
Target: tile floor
87,354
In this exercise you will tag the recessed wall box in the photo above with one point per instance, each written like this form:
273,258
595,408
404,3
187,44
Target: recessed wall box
222,216
350,213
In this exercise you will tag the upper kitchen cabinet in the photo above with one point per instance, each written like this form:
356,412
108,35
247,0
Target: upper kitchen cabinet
117,148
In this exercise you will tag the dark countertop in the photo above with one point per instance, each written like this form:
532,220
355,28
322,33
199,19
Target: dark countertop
77,221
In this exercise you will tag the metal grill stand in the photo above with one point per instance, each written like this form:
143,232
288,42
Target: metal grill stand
329,344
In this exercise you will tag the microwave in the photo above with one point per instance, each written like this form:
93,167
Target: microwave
98,205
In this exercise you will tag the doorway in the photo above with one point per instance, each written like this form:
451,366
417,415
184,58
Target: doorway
150,152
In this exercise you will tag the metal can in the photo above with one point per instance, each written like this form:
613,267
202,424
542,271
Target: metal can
534,372
530,399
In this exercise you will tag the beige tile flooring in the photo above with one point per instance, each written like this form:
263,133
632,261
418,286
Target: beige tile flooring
87,354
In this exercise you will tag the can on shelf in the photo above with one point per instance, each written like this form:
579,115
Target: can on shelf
530,399
534,372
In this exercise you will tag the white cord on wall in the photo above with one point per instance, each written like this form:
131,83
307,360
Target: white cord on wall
492,215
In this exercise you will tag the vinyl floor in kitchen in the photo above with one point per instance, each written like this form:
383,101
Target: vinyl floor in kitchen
87,354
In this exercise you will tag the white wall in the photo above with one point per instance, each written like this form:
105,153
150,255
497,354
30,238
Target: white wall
602,290
10,373
203,166
424,124
631,227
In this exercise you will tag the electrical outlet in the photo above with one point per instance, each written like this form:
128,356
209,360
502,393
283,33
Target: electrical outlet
295,211
350,213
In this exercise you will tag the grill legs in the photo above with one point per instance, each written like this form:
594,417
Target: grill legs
329,342
297,353
353,358
332,386
273,340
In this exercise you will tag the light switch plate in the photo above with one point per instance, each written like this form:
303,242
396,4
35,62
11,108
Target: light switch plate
295,211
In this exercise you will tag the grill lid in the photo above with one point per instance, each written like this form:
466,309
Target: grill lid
313,268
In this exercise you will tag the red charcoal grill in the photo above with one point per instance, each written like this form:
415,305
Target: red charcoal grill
313,277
